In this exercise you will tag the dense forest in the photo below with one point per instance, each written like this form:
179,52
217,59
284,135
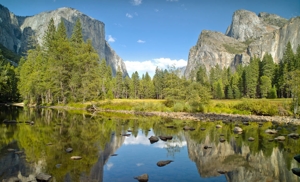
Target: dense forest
68,69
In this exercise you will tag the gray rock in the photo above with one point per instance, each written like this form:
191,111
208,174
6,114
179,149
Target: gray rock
69,150
237,129
153,139
297,158
218,126
293,135
76,157
251,139
280,138
269,131
296,171
43,177
142,178
163,163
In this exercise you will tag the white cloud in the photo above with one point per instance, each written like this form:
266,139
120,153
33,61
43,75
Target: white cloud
139,164
111,39
136,2
150,65
129,15
141,41
172,0
109,165
156,10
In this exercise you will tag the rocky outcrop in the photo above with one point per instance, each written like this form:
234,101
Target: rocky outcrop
19,33
248,35
215,48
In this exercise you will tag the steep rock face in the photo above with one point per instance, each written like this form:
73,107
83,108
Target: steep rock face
274,42
18,31
241,164
245,25
215,48
248,35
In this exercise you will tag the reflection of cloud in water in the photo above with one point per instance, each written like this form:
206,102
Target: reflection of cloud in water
170,144
139,164
141,139
109,165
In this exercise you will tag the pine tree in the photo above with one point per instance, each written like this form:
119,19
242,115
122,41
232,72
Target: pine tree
265,86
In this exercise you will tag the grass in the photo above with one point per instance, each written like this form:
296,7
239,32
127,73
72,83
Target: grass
268,107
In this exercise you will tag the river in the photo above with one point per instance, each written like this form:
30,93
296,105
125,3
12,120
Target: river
37,141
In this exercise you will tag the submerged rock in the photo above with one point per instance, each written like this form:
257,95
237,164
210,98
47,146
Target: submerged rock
296,171
69,150
163,163
251,139
280,138
297,158
237,129
76,157
165,138
206,147
222,139
293,135
188,128
218,126
269,131
153,139
142,178
43,177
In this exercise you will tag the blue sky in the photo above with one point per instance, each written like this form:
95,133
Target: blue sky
150,33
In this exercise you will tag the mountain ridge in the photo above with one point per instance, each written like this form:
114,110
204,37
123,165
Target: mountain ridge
247,36
16,32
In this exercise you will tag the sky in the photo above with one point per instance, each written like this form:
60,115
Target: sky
151,33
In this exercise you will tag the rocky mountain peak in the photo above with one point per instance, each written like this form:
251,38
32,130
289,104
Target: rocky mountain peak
16,32
245,25
248,35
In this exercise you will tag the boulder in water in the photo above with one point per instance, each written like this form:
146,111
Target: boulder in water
163,163
142,178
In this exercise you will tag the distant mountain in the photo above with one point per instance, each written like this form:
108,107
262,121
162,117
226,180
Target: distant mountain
19,33
248,35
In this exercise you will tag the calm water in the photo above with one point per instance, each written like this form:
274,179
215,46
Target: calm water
96,137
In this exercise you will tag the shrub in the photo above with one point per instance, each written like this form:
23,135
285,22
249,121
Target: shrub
178,107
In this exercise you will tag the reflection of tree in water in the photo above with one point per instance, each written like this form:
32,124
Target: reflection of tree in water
87,136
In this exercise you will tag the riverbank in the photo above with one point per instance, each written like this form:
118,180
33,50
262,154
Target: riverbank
147,108
213,116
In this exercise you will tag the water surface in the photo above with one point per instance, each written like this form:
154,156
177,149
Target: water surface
96,137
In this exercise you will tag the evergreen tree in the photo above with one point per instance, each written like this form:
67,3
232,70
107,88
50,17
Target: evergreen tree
265,86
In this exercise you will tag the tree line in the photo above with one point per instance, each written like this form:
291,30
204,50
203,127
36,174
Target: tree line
67,69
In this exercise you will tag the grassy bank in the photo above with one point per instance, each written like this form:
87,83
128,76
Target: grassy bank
267,107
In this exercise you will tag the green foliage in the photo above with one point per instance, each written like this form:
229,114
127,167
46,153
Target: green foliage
258,107
60,71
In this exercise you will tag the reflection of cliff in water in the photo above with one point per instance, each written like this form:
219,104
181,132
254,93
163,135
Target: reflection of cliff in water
96,174
239,162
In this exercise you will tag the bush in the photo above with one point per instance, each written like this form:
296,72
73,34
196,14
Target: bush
178,107
258,107
169,103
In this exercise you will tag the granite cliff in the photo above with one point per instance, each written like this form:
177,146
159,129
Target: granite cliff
18,33
248,35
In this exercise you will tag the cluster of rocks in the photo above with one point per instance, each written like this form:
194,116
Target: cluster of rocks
213,116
